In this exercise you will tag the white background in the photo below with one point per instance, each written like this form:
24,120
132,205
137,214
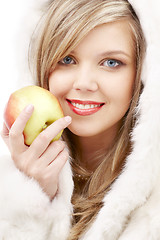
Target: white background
17,21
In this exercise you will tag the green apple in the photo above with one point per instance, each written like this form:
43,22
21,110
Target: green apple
46,110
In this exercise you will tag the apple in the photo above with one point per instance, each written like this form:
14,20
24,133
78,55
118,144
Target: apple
46,110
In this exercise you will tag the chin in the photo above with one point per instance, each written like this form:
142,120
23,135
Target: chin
82,131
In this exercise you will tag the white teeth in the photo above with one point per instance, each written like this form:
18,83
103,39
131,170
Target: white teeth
87,106
84,106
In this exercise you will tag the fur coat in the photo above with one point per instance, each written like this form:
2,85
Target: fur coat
131,209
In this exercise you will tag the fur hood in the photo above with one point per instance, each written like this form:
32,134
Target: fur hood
131,208
142,170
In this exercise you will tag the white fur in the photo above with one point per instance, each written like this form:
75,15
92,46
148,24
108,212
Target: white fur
142,169
131,208
26,211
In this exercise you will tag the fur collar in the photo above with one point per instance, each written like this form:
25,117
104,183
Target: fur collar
142,168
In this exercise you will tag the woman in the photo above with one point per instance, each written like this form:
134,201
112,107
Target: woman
90,55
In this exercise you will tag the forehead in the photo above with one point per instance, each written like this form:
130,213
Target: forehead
115,36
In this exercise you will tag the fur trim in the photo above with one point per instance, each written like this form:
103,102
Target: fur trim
148,13
132,204
142,168
27,208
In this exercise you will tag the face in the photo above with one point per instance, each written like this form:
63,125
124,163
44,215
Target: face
94,83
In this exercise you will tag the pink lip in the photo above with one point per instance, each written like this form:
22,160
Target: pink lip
84,112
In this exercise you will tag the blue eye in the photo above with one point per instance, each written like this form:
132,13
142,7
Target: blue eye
111,63
67,60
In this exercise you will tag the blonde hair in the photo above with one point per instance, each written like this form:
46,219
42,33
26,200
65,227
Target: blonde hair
65,24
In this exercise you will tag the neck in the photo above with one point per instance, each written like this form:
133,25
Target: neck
92,149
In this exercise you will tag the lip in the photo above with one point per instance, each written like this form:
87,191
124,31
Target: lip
86,107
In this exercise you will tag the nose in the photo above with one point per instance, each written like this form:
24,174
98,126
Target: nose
85,79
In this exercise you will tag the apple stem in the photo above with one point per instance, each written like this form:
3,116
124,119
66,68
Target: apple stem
45,126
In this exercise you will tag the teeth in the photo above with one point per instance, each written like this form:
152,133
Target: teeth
84,106
87,106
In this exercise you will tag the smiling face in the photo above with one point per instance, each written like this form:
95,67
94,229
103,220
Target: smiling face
94,83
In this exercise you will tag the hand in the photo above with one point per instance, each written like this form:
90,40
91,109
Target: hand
43,160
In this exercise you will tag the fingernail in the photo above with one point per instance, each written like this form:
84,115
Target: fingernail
68,119
29,108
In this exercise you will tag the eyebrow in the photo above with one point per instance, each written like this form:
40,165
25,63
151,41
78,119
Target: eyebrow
110,53
114,52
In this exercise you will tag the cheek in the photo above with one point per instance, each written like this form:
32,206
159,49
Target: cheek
58,84
120,90
125,91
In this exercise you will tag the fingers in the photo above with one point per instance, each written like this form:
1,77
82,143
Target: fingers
47,168
5,131
44,159
41,143
60,161
50,178
5,134
54,158
54,149
16,131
